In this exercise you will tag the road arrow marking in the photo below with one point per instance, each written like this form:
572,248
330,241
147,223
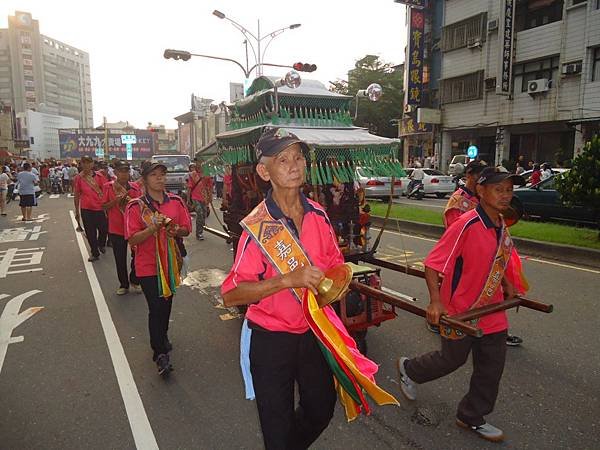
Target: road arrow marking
11,318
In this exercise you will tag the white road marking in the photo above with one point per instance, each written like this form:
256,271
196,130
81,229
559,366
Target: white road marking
537,260
566,266
11,318
54,195
20,257
398,294
136,414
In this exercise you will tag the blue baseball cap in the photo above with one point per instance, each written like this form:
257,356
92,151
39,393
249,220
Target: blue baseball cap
274,140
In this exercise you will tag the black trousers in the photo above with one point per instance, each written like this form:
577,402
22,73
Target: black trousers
119,246
159,312
489,355
96,229
277,360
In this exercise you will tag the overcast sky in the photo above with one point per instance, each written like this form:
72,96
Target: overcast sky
125,39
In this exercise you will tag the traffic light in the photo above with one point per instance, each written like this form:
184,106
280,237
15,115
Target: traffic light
177,54
303,67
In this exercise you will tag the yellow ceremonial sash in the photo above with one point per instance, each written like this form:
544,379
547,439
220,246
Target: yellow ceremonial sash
460,202
277,242
494,278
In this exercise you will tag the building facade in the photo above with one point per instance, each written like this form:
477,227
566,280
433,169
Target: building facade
40,71
519,78
7,130
167,138
197,129
42,131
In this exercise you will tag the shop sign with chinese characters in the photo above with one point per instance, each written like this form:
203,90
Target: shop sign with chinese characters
504,87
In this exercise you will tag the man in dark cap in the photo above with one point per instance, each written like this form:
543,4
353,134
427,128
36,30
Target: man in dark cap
471,259
88,200
116,195
282,350
152,222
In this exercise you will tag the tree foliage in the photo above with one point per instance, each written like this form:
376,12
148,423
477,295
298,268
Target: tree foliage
581,184
379,117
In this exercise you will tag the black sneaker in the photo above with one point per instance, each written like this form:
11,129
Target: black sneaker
102,250
163,364
200,237
513,341
93,258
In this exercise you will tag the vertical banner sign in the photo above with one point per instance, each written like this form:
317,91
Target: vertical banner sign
506,37
415,56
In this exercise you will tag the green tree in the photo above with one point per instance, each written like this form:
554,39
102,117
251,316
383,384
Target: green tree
379,117
581,184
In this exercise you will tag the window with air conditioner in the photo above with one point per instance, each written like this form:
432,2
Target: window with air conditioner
467,32
461,89
526,72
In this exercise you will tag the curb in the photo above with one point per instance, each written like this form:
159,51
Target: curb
557,252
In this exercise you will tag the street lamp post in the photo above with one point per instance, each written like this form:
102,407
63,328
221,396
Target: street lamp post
258,53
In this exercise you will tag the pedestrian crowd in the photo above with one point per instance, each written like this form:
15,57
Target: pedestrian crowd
473,265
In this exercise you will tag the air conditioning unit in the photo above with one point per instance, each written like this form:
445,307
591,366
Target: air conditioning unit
537,86
571,69
492,25
474,44
490,84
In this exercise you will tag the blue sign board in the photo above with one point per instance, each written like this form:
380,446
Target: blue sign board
472,151
128,139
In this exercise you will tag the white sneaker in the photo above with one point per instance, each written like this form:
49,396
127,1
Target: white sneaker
136,288
486,431
407,386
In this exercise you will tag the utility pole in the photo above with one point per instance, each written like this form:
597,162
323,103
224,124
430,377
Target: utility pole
105,139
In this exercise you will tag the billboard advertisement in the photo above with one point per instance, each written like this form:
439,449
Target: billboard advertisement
77,143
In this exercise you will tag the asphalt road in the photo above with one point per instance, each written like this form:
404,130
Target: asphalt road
82,376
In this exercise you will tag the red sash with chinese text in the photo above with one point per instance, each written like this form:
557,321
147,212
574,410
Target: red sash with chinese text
277,242
494,278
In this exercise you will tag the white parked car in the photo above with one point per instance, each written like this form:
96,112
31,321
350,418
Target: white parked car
435,182
378,187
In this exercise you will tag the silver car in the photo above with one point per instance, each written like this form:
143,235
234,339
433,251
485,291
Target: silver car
435,182
378,187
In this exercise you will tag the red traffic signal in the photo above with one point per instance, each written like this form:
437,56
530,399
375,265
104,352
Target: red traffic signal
302,67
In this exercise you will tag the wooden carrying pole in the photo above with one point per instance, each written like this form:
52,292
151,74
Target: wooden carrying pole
473,313
378,294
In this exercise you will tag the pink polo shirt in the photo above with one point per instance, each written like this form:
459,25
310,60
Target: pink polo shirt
116,219
199,185
282,311
464,255
88,197
145,252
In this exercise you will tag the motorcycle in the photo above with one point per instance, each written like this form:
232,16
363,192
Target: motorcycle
416,189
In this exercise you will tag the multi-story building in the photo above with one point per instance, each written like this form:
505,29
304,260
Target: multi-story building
198,127
40,71
167,139
519,78
42,131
